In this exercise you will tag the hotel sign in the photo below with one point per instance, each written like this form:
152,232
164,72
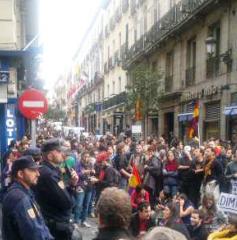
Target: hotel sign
198,94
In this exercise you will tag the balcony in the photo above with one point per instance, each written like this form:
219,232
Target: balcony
117,60
179,16
116,100
190,76
125,5
90,108
168,84
212,67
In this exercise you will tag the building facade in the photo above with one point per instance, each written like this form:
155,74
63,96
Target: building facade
18,42
192,43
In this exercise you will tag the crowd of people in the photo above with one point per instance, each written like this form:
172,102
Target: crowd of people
136,188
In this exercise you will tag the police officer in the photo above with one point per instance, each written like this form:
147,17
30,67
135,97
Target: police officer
22,219
55,199
35,152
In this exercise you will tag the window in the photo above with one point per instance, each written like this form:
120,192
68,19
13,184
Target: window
113,87
169,71
169,63
156,7
191,62
126,36
120,85
213,62
234,98
108,90
172,3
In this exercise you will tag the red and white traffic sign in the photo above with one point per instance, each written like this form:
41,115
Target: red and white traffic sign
32,104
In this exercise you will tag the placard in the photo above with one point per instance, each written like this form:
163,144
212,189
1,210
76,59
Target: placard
228,203
234,187
136,129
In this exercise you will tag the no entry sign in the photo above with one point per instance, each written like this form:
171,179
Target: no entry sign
32,104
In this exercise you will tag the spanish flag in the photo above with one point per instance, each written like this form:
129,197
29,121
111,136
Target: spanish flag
135,178
193,129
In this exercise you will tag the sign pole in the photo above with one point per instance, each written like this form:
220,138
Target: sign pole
33,132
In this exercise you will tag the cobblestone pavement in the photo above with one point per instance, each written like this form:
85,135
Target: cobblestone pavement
89,233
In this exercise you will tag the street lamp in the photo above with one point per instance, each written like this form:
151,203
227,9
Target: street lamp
211,51
211,46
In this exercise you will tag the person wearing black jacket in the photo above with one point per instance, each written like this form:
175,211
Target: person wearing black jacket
142,220
106,174
55,199
152,175
196,229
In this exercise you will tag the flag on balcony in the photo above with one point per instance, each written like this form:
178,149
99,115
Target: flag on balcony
138,110
193,129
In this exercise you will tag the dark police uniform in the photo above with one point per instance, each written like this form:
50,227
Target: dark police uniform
22,219
56,201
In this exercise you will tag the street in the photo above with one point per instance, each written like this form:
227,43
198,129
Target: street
89,233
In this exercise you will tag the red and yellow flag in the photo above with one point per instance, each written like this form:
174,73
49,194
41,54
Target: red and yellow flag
193,129
135,179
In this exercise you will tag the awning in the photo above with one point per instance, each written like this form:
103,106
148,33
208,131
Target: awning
231,110
183,117
12,53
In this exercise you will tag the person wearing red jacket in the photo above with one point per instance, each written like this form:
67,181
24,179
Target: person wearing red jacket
138,196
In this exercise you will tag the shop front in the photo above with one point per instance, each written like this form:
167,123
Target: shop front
212,120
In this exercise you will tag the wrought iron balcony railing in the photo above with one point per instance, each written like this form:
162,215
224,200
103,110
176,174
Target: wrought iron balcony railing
179,14
190,76
212,67
116,100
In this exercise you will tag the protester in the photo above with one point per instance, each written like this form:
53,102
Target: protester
164,233
22,219
142,220
170,173
114,213
138,196
196,229
213,173
172,220
213,218
86,173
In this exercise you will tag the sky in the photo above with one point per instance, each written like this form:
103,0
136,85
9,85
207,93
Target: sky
62,26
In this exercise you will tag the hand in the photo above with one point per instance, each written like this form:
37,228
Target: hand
94,180
92,171
74,178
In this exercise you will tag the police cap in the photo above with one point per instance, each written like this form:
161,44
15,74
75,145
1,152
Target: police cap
32,151
23,163
52,144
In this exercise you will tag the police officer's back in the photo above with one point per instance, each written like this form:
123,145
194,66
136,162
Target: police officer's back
54,198
22,219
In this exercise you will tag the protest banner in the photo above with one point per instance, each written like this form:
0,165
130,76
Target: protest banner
228,203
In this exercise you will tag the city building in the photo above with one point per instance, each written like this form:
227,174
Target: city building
18,48
191,42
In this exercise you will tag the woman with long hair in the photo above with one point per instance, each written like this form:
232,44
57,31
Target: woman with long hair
172,220
170,174
213,218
